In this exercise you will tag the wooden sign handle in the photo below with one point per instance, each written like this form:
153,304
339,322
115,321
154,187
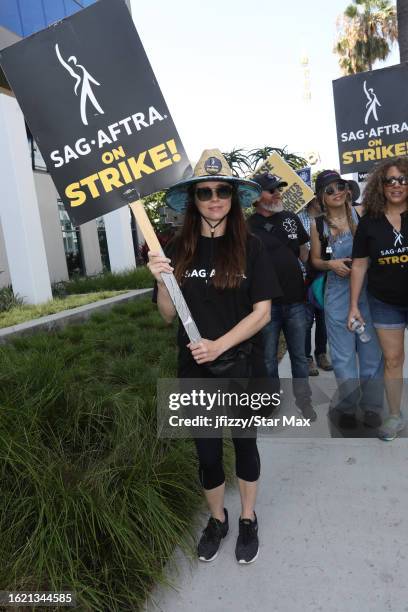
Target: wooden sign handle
145,225
169,280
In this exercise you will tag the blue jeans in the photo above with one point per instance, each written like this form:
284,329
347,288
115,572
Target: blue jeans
291,319
358,366
314,314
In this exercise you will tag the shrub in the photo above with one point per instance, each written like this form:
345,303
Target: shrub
9,300
139,278
90,500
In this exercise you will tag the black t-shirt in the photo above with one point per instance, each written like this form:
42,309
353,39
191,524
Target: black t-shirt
290,228
216,311
388,253
281,256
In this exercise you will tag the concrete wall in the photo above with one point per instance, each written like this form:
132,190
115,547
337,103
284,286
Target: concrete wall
90,248
51,226
20,217
4,268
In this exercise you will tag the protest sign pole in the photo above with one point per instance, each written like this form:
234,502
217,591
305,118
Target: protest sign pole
169,280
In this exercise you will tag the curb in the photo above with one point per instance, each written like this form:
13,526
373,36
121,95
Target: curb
68,317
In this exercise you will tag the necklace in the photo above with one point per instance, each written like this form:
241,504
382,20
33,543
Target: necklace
213,227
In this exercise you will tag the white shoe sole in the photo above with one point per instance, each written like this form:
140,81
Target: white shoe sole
242,562
204,560
391,436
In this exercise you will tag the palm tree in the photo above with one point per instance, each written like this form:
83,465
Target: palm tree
402,15
368,28
238,161
259,155
245,163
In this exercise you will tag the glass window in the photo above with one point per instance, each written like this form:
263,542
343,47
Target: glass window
10,17
72,6
54,10
32,16
24,17
103,243
72,243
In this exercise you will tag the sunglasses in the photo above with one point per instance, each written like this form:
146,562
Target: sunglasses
338,188
275,189
204,194
393,180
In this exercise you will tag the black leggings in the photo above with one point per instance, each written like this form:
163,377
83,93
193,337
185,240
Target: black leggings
209,450
211,471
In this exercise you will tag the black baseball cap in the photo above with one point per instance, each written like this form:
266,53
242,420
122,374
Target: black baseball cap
268,181
326,177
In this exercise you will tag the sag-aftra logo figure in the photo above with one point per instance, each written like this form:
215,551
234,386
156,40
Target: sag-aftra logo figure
83,79
372,103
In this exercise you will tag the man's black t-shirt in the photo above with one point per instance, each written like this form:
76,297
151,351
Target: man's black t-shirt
388,252
281,257
290,229
217,311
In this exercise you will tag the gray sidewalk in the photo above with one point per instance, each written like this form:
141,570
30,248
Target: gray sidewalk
333,533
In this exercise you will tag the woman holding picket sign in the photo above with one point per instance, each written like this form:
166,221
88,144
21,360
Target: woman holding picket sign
228,287
381,251
357,363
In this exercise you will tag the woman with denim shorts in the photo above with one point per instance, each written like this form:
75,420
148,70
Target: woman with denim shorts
358,366
381,251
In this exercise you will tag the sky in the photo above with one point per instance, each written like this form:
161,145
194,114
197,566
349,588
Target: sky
231,72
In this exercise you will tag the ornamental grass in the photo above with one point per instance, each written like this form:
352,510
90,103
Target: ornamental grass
90,500
139,278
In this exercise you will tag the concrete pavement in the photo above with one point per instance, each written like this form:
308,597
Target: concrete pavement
333,532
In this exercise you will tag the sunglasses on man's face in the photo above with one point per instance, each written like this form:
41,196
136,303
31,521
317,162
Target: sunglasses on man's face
275,189
204,194
338,188
393,180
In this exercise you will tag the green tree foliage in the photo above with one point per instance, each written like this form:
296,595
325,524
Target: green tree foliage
238,161
153,205
244,163
367,30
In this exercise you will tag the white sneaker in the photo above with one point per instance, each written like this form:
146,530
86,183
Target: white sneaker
391,427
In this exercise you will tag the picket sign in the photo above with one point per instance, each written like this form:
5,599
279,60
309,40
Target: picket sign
297,193
94,142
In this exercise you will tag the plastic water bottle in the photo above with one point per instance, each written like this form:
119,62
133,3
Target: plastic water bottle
359,329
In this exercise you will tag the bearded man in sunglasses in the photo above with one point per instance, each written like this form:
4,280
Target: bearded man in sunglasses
285,239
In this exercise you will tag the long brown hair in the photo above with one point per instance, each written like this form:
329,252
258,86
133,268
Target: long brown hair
348,210
230,258
374,201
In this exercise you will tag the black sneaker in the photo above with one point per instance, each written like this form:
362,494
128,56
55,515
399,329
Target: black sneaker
246,550
210,540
